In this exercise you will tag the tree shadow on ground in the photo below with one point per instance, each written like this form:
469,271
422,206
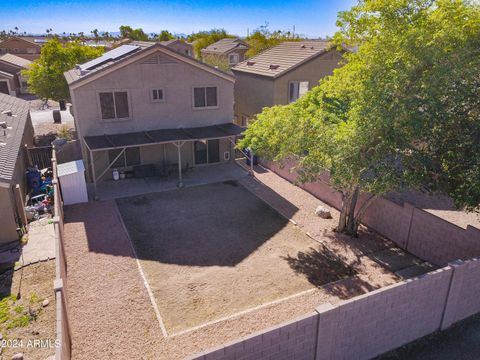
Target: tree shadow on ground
320,266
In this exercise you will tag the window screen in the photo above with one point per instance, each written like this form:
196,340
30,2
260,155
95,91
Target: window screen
121,104
107,105
211,96
199,97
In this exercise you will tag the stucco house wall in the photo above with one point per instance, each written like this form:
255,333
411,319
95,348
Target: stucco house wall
177,79
8,207
254,92
311,71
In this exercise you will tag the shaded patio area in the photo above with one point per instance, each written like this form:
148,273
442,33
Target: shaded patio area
201,175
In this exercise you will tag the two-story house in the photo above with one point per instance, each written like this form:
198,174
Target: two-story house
231,50
281,75
12,82
145,103
27,47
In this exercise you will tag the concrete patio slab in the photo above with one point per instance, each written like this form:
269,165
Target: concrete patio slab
202,175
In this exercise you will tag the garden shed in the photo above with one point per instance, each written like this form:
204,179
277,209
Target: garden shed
72,182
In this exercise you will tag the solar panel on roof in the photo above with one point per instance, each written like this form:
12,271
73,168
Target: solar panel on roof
110,55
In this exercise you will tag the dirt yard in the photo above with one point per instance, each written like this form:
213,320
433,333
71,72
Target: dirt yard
23,318
206,259
110,307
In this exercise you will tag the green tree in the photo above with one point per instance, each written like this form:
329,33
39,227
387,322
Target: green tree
45,75
262,39
401,113
220,62
133,34
202,39
165,35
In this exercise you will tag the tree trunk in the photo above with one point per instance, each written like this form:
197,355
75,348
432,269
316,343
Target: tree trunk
347,222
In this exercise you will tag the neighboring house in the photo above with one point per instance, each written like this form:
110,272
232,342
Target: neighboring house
106,45
144,103
11,80
231,49
27,47
281,75
16,130
180,46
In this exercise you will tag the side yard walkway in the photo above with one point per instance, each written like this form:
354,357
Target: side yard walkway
111,314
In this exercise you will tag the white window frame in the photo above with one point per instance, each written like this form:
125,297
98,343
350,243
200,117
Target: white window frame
297,84
99,106
236,61
162,100
204,107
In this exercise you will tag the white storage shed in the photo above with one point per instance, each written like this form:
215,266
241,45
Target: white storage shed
72,182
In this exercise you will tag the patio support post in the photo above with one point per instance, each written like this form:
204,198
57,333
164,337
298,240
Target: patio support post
179,145
92,165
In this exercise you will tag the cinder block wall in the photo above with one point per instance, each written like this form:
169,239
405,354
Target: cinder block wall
419,232
367,325
372,324
292,340
464,296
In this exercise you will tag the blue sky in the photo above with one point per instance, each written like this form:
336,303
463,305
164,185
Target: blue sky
311,17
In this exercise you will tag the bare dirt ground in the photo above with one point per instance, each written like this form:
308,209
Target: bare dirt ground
215,250
111,313
23,318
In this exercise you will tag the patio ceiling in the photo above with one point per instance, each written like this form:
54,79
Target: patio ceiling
106,142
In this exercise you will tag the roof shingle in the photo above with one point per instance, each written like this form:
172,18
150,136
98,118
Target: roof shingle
282,58
11,137
225,45
15,60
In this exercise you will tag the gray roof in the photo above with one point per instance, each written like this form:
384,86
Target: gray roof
225,45
11,138
282,58
160,136
76,74
15,60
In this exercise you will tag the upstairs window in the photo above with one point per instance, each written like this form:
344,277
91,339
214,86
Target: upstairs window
233,59
297,89
205,97
114,105
158,95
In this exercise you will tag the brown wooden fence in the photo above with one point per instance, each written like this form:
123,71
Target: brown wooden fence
40,156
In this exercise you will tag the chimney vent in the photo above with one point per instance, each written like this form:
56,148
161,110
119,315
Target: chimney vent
274,66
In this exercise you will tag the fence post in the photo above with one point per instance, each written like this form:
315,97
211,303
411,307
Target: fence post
20,205
453,295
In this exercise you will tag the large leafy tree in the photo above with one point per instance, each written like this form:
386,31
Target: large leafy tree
165,35
202,39
128,32
262,39
402,112
45,75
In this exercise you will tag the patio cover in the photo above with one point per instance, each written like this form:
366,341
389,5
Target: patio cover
105,142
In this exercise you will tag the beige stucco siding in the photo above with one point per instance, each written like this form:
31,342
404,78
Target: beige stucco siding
177,79
252,94
7,220
311,71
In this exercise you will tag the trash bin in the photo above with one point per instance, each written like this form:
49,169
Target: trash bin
63,105
57,116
